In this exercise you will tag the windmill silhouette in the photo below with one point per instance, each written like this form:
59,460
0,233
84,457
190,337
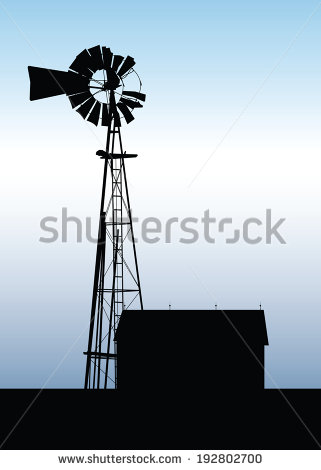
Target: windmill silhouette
99,85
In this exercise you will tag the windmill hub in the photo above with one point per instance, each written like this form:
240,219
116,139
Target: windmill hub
111,84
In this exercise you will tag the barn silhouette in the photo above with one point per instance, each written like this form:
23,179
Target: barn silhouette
202,351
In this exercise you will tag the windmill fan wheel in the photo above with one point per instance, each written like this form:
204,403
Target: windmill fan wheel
99,101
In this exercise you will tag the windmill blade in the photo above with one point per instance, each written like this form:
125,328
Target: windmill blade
78,99
113,109
117,61
47,82
128,63
84,109
135,94
107,57
83,64
96,56
94,114
130,103
126,112
105,116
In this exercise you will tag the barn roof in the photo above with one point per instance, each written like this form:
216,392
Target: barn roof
248,325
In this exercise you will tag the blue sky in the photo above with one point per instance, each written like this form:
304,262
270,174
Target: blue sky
240,79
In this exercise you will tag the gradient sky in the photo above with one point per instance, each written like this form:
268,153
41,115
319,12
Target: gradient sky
240,79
